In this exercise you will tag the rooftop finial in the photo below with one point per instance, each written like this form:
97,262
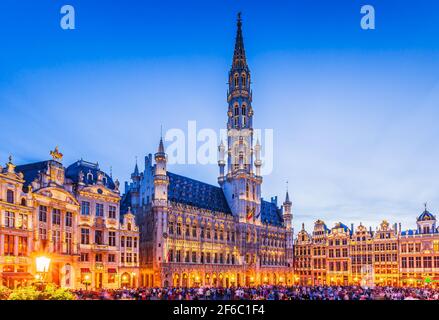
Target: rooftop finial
10,158
425,205
56,155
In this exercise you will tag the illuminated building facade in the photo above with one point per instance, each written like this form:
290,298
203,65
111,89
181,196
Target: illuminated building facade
195,234
303,261
16,228
384,257
70,215
338,262
419,252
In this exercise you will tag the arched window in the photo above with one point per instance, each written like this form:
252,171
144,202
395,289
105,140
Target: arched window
244,80
244,121
236,110
23,202
236,121
244,109
10,196
236,81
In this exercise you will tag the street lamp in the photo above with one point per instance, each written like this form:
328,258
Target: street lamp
42,267
86,281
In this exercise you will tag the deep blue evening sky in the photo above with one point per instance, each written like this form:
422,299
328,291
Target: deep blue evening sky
354,112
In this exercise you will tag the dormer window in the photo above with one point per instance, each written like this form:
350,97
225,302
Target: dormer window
89,177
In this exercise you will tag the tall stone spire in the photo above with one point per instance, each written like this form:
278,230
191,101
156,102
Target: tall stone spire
239,59
240,178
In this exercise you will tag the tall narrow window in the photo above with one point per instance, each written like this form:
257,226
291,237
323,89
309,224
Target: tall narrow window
85,236
244,80
69,219
10,196
42,214
9,219
236,110
8,245
22,246
99,210
112,238
236,81
112,212
99,239
56,216
85,208
68,242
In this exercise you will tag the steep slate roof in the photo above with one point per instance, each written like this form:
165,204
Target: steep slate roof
426,216
31,171
271,214
195,193
202,195
72,172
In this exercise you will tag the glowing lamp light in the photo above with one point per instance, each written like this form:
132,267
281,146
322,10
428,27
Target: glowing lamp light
42,264
87,277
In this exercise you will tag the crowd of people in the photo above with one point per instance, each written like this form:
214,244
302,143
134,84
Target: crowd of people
264,293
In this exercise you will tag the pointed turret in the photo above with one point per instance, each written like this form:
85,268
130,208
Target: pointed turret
287,198
161,180
287,214
136,170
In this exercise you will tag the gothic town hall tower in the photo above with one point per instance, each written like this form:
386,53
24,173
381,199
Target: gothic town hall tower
197,234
